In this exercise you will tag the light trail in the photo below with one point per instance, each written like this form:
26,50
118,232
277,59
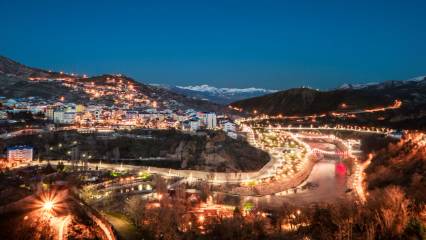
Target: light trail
63,227
395,105
359,178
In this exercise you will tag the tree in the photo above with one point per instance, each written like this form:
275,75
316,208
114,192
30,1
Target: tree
135,208
204,191
322,224
160,185
60,167
389,208
48,169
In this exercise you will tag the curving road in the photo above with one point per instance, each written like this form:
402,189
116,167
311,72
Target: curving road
268,171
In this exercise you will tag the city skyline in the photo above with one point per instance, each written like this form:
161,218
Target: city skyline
274,45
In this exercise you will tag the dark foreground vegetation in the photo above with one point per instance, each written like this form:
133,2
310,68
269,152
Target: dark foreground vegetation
394,209
402,164
388,214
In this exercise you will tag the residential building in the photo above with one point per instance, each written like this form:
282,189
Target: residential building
3,115
63,117
208,119
19,155
50,113
211,120
229,127
191,125
194,125
58,116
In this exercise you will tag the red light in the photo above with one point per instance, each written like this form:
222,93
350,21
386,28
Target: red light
340,169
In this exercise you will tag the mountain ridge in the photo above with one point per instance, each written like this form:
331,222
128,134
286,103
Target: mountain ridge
19,80
308,101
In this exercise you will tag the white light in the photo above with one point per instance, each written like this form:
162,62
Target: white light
48,205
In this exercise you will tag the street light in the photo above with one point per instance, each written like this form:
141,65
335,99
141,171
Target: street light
201,218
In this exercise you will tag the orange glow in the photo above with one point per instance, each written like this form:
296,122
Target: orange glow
51,201
396,104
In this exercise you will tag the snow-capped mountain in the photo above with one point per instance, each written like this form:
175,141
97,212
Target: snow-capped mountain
218,95
226,91
418,79
382,85
356,86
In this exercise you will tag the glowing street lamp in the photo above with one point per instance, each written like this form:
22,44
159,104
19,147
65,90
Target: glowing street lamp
201,218
48,206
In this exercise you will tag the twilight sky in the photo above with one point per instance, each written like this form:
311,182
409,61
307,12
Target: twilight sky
271,44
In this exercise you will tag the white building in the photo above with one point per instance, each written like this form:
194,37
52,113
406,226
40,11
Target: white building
208,119
58,116
229,127
19,154
192,124
62,117
50,113
3,115
69,117
211,120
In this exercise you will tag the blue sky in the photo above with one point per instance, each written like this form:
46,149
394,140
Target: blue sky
271,44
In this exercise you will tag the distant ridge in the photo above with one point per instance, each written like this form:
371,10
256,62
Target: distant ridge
353,97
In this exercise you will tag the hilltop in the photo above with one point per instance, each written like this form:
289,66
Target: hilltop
11,68
18,80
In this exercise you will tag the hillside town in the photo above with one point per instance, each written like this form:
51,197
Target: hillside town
130,109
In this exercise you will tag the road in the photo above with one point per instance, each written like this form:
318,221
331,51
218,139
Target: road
63,227
268,171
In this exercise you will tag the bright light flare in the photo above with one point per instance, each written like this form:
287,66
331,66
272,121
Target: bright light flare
51,201
48,205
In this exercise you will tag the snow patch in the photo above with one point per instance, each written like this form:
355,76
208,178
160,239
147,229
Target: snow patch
215,90
418,79
357,86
